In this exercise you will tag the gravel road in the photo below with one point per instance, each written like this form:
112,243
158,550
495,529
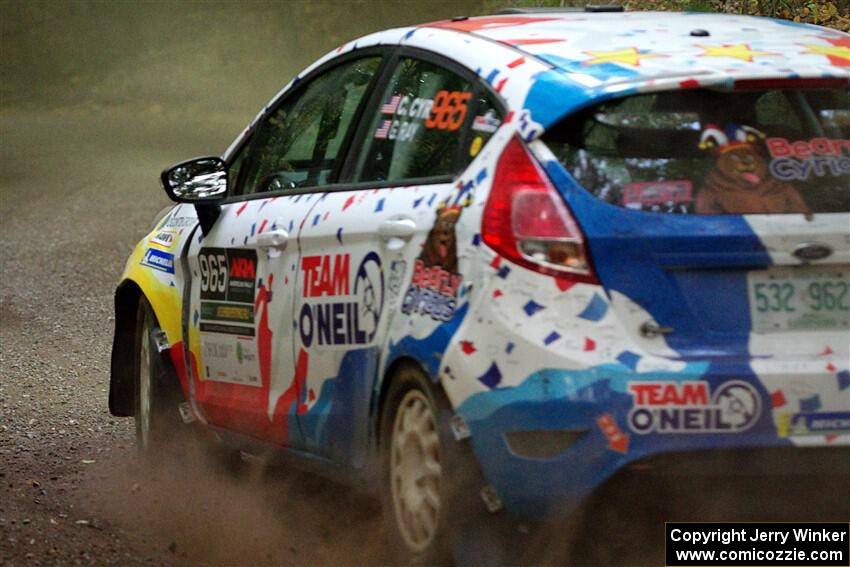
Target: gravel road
78,188
74,201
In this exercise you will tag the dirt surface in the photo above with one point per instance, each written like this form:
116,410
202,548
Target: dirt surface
96,98
78,188
72,490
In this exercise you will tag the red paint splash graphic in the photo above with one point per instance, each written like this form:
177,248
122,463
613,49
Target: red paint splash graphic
564,284
264,332
532,41
476,24
293,395
777,399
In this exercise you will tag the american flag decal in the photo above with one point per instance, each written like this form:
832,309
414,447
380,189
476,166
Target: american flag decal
391,106
381,132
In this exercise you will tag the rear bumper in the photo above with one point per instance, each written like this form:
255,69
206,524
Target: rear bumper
589,432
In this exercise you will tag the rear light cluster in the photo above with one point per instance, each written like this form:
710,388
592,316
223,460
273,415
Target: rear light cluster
527,221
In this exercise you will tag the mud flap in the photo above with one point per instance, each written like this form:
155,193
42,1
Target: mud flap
167,383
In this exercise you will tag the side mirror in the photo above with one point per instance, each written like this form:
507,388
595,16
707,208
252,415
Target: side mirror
199,180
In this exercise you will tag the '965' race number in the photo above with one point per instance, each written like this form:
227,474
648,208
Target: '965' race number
213,272
227,274
448,110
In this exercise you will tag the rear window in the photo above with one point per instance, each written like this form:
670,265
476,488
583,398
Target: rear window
707,152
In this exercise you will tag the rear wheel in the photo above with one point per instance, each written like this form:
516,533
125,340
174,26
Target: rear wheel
415,471
428,483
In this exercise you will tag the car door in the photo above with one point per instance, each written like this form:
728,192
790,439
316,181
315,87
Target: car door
247,377
360,245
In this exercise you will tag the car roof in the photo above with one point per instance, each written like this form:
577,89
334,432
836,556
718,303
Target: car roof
596,56
647,44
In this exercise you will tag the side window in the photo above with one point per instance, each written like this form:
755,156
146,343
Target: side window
417,128
297,145
235,168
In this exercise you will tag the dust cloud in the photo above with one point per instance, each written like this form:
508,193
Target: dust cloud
208,510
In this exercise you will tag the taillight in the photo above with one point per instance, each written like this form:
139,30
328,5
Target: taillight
527,221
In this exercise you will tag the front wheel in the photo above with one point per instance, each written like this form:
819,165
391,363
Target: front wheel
156,405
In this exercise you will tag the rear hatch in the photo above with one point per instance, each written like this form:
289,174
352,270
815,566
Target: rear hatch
718,221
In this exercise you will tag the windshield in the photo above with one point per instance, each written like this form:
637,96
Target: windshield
708,152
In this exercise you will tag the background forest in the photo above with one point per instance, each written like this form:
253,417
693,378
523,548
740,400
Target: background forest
833,13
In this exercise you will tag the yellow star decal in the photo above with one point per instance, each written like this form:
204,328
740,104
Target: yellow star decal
838,53
629,56
741,51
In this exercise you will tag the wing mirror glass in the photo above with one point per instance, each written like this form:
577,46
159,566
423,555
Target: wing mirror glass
196,180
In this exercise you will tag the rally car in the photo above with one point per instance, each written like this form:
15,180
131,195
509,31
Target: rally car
485,264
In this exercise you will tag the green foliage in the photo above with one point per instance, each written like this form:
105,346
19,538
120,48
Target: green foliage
830,13
698,6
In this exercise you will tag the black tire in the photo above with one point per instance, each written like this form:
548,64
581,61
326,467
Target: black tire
157,393
444,499
160,432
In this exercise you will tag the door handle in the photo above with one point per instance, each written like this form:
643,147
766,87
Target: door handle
399,227
273,240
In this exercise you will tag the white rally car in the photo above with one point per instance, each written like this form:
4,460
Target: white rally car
489,263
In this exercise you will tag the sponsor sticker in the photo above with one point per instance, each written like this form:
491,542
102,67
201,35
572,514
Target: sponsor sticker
813,423
178,222
341,306
691,407
228,274
230,358
435,284
214,311
158,260
618,441
647,194
165,238
433,292
741,180
475,146
487,122
227,323
799,160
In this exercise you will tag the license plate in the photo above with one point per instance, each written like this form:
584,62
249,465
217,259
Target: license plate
799,299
